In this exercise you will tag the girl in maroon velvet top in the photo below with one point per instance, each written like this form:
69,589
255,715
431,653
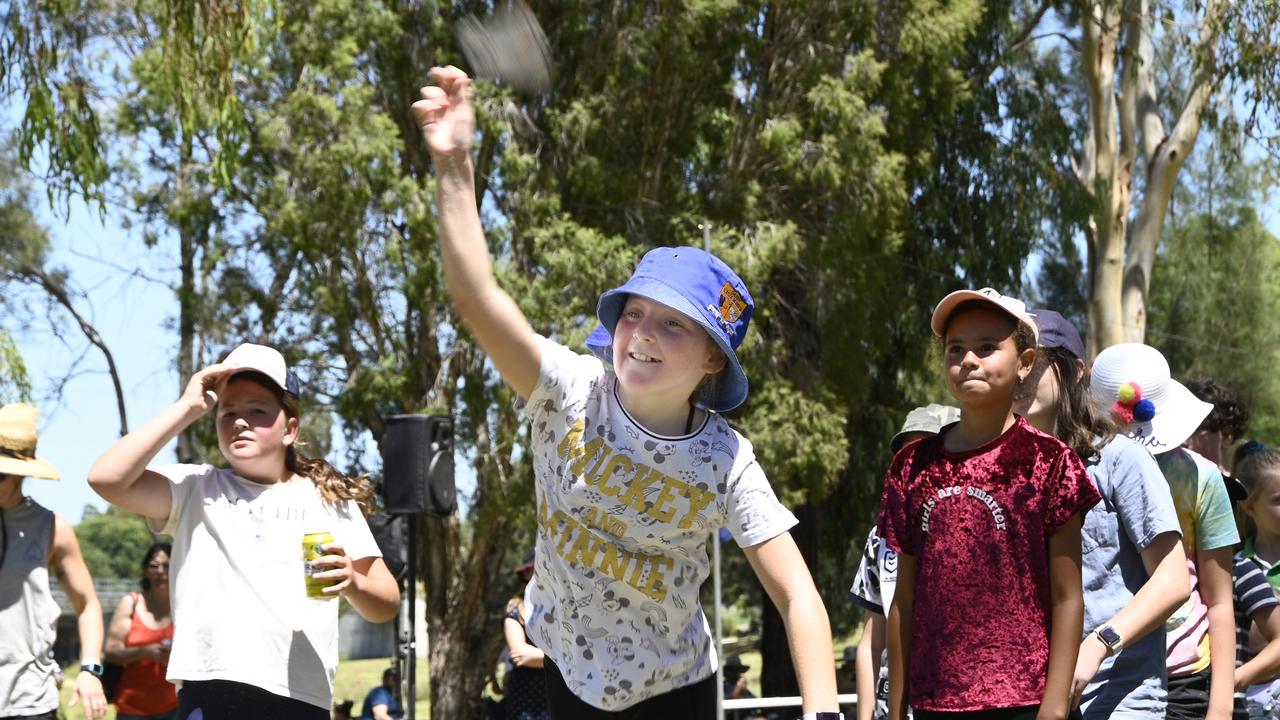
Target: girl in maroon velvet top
988,613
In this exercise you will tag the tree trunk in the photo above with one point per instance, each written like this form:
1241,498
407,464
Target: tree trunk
187,301
1165,156
1122,254
1102,177
463,623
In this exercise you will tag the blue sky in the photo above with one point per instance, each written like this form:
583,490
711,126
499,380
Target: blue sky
132,314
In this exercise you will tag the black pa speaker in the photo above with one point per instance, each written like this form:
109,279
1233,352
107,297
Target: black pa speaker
417,465
391,534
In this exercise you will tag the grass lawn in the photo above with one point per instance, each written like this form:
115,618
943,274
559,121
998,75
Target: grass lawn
355,679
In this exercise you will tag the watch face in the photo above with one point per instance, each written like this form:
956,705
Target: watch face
1109,635
93,669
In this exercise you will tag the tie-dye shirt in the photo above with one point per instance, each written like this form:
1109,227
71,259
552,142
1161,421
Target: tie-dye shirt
1204,512
623,521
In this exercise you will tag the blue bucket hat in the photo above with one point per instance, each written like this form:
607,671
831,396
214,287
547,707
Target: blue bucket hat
700,286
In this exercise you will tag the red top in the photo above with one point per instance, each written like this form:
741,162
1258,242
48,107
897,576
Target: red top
978,524
143,689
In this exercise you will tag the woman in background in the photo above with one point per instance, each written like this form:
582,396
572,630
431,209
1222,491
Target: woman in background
139,639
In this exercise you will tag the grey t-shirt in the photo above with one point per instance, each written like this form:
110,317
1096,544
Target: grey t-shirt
1136,507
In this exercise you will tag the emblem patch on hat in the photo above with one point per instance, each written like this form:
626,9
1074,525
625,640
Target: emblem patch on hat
731,304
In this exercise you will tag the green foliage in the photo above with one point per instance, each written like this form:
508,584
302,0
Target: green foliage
114,543
854,161
1215,305
15,383
24,244
22,241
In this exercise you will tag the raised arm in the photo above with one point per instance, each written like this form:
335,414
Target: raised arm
120,475
446,117
782,571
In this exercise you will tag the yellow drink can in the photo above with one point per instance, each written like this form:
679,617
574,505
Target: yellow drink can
311,544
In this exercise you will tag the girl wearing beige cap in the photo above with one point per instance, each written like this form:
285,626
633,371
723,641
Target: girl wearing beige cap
987,614
34,541
250,641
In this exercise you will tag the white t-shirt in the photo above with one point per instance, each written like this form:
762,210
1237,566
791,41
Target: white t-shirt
623,521
240,606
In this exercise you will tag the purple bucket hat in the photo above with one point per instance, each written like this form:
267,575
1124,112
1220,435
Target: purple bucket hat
700,286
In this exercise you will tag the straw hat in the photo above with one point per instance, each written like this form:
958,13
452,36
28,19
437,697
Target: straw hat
18,444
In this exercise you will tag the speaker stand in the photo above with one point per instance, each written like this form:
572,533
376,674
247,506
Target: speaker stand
407,653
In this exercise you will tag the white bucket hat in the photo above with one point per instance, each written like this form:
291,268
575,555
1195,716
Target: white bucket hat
1010,306
18,444
1133,381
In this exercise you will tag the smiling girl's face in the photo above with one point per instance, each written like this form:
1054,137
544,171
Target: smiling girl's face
254,433
661,352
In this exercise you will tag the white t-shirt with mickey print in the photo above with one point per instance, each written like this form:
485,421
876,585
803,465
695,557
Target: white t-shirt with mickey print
623,521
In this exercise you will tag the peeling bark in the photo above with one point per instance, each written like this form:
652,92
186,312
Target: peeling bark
1122,245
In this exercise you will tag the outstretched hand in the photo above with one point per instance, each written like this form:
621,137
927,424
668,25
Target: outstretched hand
445,114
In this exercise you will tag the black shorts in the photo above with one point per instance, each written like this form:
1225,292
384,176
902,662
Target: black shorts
227,700
692,702
1188,697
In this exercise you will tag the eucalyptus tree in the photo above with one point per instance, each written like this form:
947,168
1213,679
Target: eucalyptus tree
853,160
1145,76
1215,305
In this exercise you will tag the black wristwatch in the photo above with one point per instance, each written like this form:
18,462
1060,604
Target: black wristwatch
94,669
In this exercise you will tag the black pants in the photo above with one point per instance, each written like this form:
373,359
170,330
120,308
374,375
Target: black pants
1188,697
226,700
692,702
1017,713
51,715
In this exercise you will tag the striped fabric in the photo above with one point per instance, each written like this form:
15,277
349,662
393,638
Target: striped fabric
1251,594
